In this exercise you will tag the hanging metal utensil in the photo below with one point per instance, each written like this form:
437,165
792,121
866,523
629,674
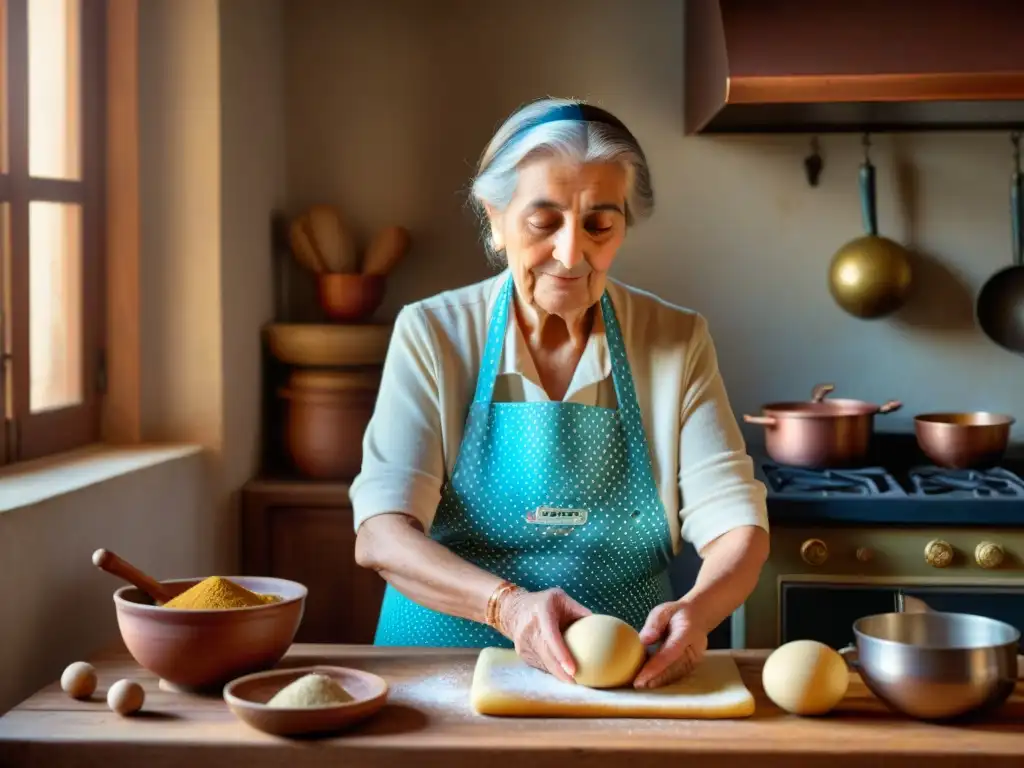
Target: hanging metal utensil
1000,305
870,276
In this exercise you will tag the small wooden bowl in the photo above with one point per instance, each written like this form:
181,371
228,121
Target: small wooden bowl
247,698
349,298
203,649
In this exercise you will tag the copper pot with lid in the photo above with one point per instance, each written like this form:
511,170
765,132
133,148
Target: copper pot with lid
820,432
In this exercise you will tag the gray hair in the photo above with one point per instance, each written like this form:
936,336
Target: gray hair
498,170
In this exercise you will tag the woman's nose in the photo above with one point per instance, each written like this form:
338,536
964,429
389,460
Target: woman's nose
568,248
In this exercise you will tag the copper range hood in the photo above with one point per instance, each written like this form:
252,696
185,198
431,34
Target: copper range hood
854,65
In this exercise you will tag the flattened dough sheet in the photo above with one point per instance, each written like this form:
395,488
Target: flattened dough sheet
504,685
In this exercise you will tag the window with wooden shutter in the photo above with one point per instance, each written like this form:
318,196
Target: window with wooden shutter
51,223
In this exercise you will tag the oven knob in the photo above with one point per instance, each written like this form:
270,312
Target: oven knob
938,553
814,552
865,554
988,554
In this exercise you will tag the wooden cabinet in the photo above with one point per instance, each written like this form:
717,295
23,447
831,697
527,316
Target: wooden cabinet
303,531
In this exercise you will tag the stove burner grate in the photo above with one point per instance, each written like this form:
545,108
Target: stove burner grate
861,481
970,483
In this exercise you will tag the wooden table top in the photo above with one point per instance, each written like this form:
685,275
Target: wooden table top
428,721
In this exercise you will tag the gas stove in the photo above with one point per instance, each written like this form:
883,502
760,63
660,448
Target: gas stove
996,482
860,540
894,490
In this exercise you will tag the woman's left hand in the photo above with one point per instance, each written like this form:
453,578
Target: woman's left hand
683,639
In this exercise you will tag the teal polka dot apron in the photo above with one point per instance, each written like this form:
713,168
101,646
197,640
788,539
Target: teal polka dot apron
547,494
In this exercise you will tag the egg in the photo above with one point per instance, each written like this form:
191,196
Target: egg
125,697
78,680
607,651
805,677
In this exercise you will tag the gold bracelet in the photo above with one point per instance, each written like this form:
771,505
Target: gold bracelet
493,614
490,616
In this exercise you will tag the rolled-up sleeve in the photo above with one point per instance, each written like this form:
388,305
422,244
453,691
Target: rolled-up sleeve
719,491
403,459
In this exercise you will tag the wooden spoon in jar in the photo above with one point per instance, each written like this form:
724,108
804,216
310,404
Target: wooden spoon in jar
302,245
114,565
385,250
331,239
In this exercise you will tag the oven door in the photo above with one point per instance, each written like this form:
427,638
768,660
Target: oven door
826,611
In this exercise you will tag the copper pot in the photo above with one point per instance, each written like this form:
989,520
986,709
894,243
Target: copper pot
963,440
820,433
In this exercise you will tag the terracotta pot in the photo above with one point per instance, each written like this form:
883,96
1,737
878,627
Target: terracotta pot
327,413
349,298
820,433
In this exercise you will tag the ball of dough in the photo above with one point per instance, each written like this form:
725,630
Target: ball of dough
79,680
805,677
607,651
125,697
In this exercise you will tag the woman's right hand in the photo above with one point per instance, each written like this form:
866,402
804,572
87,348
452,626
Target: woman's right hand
534,621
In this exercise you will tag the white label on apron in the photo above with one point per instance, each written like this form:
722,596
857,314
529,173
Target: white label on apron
557,516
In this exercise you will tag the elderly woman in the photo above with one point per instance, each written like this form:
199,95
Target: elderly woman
545,440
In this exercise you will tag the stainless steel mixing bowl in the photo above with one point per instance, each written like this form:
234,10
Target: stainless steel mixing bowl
936,665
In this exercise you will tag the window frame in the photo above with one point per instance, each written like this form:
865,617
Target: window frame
34,435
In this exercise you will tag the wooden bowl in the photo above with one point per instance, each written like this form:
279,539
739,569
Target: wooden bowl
316,345
204,649
350,298
247,697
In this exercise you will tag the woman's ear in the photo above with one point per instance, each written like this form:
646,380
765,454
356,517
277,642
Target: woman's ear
495,219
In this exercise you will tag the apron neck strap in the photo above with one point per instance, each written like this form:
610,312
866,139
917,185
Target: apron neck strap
622,377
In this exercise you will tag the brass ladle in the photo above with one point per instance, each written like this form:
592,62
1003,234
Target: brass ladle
870,276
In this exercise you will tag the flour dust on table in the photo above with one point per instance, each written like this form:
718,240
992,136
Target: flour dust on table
446,691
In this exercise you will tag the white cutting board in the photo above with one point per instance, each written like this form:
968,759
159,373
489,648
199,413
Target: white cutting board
504,685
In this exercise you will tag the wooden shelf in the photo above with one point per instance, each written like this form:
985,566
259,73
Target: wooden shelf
303,530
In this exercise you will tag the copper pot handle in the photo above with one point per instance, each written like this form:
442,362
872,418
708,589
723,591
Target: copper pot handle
819,392
889,407
765,421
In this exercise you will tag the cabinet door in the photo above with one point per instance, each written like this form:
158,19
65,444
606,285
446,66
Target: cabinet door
316,546
826,612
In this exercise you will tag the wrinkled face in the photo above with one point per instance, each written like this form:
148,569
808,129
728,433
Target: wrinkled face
561,231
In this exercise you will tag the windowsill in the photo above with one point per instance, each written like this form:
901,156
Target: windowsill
32,482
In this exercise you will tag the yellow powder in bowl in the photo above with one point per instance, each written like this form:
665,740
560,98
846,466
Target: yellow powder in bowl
312,690
218,592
